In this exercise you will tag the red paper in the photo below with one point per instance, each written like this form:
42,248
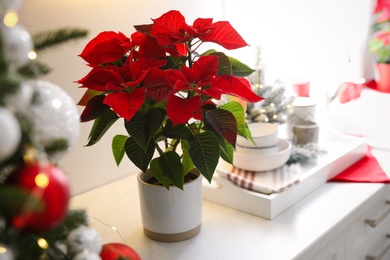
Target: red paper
366,169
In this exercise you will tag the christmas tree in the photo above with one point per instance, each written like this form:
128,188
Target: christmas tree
276,107
38,125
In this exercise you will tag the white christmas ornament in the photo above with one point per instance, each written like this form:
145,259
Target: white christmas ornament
17,45
82,239
53,114
10,134
86,255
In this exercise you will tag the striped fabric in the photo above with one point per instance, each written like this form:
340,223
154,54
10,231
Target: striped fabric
267,182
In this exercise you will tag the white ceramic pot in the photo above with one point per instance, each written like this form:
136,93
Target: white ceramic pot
170,215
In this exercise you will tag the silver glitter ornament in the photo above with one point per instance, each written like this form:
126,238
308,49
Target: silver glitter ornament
84,238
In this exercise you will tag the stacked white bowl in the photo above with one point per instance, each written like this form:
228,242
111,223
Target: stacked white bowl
266,152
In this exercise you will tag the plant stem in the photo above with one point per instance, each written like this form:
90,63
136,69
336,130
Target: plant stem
189,56
160,151
174,143
200,43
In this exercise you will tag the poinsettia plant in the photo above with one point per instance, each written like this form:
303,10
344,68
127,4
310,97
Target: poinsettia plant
168,95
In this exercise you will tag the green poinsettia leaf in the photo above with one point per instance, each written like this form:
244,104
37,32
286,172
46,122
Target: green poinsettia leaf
226,153
173,62
100,126
208,52
142,127
204,151
140,157
240,69
170,167
157,173
175,132
94,109
238,112
224,122
118,147
224,64
248,134
186,160
89,93
225,149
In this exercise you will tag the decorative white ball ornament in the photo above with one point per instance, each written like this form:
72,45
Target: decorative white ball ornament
10,134
17,45
87,255
82,239
53,114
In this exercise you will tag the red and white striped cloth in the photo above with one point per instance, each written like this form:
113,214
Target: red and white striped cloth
266,182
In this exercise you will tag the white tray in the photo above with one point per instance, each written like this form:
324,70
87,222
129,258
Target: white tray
342,151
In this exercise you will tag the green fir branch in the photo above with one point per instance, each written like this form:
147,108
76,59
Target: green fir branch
46,39
56,145
34,69
3,62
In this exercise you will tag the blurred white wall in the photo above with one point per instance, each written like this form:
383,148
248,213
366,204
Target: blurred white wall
299,38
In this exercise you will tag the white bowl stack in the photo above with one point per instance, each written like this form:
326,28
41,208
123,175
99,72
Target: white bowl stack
267,152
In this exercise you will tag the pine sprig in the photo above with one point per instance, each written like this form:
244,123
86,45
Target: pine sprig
34,69
46,39
275,108
3,62
56,145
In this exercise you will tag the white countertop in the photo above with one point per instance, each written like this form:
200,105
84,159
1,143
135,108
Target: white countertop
228,233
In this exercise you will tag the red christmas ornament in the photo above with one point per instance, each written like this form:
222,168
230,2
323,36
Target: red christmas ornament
115,251
48,183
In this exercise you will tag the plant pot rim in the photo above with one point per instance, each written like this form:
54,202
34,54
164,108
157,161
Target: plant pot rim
149,175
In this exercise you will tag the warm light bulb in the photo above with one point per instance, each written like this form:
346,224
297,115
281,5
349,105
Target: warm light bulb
3,249
41,180
272,105
275,116
11,18
42,243
32,55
